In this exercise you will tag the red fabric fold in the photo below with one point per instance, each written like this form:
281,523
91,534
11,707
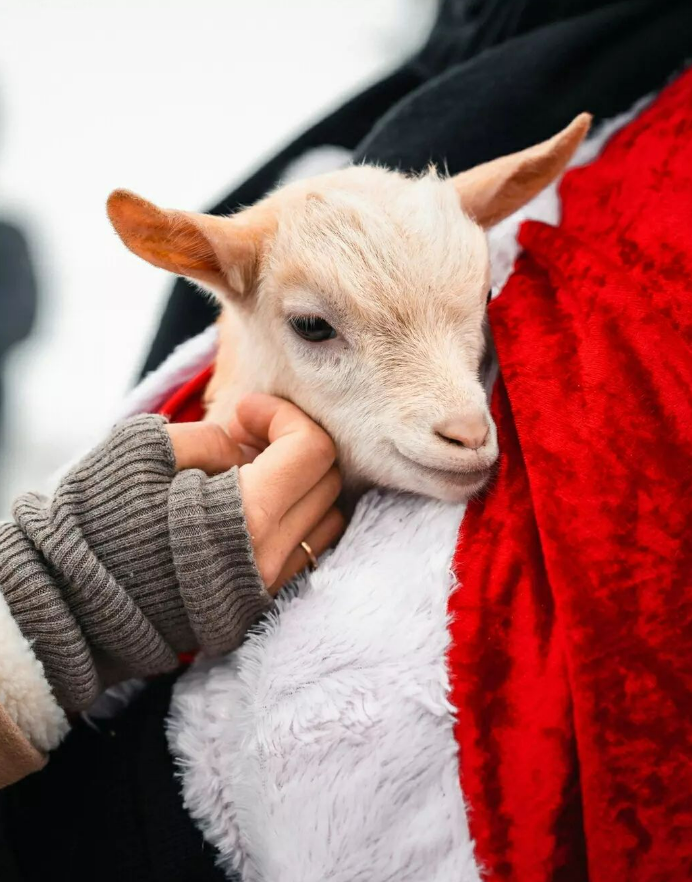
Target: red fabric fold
571,657
185,405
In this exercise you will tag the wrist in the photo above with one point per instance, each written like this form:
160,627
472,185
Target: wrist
218,579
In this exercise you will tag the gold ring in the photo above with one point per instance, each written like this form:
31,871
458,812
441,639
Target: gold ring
312,560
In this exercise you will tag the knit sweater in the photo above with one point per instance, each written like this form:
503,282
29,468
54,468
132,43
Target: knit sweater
127,565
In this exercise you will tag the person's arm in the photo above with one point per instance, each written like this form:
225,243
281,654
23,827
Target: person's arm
141,555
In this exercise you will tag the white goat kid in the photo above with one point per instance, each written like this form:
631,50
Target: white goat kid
361,296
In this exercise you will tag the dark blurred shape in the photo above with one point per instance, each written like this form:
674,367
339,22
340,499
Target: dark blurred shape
494,77
107,808
18,293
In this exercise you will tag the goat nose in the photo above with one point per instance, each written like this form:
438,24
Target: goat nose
470,432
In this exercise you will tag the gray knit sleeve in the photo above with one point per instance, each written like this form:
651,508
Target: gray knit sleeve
129,564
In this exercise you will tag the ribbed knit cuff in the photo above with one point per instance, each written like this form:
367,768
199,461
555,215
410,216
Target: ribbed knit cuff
129,564
123,510
89,576
36,602
218,580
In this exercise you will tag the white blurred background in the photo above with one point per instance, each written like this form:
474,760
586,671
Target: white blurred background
174,99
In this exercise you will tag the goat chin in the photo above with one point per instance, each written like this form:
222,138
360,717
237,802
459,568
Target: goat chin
451,486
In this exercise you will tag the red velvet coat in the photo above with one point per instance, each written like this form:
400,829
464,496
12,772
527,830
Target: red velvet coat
572,634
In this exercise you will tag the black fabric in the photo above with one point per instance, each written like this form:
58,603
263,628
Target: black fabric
107,807
523,91
9,871
18,293
495,76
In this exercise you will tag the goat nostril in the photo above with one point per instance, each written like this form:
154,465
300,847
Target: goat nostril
457,441
471,433
473,443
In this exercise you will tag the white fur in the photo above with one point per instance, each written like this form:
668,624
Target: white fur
323,749
24,691
285,744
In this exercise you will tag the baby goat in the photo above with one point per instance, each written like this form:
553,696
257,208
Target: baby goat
361,296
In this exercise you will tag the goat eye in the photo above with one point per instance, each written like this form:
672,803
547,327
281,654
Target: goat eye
312,328
488,298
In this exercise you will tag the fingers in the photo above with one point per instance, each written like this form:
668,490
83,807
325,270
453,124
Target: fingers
204,446
290,488
269,417
319,539
309,511
275,539
242,436
299,454
274,547
288,480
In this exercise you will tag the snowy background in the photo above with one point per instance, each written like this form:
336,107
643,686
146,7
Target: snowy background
174,100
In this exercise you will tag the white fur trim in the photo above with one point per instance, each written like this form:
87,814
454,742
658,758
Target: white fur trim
316,162
285,743
24,691
184,363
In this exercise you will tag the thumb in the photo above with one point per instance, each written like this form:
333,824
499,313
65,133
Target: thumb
204,446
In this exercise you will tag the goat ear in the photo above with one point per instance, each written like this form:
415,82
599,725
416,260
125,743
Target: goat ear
218,253
496,189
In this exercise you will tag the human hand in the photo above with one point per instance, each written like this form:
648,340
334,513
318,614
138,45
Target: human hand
287,479
289,489
205,446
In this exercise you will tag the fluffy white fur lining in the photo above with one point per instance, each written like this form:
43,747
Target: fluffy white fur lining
24,691
285,745
323,748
